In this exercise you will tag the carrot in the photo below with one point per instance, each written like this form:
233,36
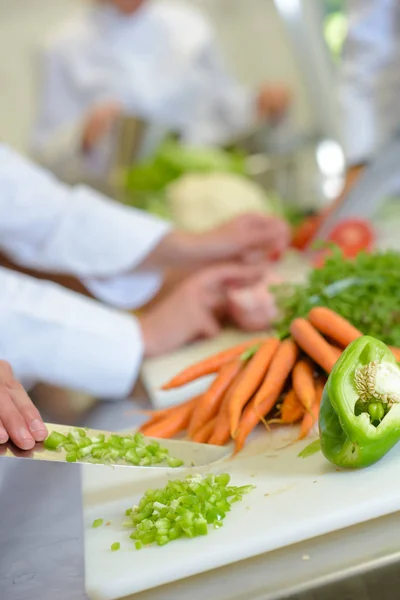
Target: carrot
292,409
172,423
203,434
334,326
221,434
313,344
310,418
209,404
157,415
303,383
254,374
267,395
336,351
250,419
396,352
279,370
210,365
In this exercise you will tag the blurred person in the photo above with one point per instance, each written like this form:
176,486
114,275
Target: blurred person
159,61
368,89
52,335
369,83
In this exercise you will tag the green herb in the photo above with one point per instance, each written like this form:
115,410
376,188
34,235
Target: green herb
311,449
183,509
97,523
146,181
131,449
365,291
249,353
115,546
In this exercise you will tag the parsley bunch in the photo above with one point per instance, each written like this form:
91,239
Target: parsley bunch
365,291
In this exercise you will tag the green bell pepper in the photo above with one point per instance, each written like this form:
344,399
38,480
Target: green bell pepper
359,420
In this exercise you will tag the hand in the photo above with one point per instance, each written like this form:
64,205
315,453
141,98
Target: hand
19,418
273,101
194,309
98,124
249,238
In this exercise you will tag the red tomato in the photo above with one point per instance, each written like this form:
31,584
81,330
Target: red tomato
303,234
353,236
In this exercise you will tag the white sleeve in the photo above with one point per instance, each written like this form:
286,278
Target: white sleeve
370,77
54,336
51,227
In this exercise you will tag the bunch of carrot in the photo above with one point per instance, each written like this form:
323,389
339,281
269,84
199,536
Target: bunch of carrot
260,380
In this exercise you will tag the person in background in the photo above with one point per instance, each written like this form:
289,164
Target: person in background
20,420
52,335
368,91
369,83
158,61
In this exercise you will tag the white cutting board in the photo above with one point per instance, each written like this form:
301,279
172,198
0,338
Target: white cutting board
295,499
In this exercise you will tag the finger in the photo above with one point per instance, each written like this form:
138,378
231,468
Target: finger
14,422
231,274
3,433
29,412
6,373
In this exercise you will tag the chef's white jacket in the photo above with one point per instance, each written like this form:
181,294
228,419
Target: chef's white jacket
162,64
370,77
52,335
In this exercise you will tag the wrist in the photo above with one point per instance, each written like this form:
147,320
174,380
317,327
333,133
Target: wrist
176,249
147,333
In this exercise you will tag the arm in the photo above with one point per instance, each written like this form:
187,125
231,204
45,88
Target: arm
370,77
47,226
57,337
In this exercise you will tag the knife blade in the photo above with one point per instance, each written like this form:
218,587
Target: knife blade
192,454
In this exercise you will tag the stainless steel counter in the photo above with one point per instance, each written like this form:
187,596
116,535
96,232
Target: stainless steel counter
41,548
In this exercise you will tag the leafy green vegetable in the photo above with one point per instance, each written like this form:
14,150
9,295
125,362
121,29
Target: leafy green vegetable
115,546
311,449
366,291
131,449
146,181
97,523
183,509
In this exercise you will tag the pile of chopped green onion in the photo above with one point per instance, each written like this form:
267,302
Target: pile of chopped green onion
128,449
183,509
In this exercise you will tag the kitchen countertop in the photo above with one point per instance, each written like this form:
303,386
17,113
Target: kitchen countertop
41,546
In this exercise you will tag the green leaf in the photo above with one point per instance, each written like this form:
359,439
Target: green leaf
249,353
311,449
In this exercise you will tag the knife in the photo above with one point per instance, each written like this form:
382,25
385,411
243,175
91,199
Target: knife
192,454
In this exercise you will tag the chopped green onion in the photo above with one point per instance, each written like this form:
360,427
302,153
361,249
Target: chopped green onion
129,449
54,441
115,546
183,509
97,523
